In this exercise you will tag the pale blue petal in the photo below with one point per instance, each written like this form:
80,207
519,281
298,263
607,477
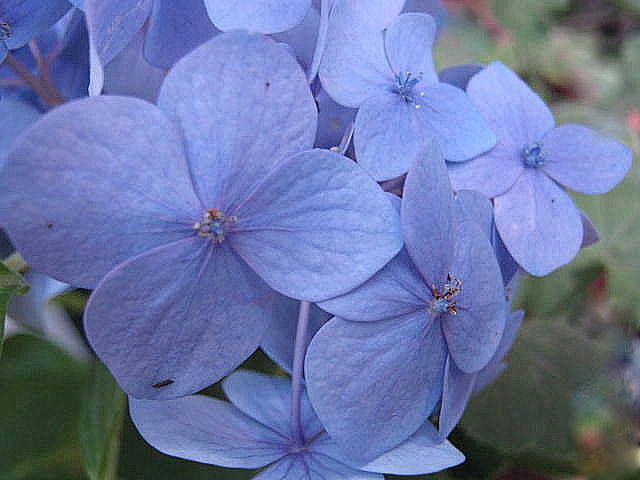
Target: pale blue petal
279,339
539,223
248,115
583,160
267,399
428,213
376,13
112,24
397,289
456,393
206,430
83,178
409,42
475,207
261,16
196,312
317,227
354,66
435,8
474,333
175,28
374,384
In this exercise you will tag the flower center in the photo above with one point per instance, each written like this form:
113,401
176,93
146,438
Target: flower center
405,84
5,30
214,225
445,297
533,155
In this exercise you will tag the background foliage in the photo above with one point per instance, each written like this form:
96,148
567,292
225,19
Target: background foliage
569,404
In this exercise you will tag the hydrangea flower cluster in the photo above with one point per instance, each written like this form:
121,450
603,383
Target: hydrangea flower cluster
294,176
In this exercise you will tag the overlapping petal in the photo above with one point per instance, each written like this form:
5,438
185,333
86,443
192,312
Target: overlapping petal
196,313
373,384
539,223
335,224
26,19
240,118
94,154
456,393
261,16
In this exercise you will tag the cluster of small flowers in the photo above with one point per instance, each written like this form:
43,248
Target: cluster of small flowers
207,223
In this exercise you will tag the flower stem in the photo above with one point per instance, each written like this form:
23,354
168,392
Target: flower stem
299,352
321,42
45,89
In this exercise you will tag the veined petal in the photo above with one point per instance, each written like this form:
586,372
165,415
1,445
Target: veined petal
538,223
175,28
260,16
310,466
82,177
177,319
267,399
475,207
317,227
206,430
473,334
373,384
243,104
583,160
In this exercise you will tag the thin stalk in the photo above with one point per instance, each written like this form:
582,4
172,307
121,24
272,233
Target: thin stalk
346,139
297,381
45,90
321,42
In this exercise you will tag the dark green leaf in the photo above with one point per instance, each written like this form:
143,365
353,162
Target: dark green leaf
101,425
10,284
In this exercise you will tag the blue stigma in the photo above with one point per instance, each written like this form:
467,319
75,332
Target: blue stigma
214,225
441,305
5,30
533,155
405,83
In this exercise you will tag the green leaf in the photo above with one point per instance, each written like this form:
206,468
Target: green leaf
39,405
10,284
618,219
529,410
101,424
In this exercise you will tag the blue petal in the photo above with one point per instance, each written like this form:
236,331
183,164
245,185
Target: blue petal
474,333
206,430
16,114
517,116
376,13
82,177
428,212
409,42
309,466
175,28
435,8
459,75
398,289
455,396
475,207
422,453
354,65
70,70
112,24
195,313
583,160
389,136
496,366
591,235
279,339
267,399
333,121
130,74
373,384
453,120
317,227
262,16
539,223
302,38
247,115
29,18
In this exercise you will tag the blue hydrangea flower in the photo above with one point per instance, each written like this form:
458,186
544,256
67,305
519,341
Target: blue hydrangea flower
390,77
375,372
22,20
202,205
526,172
254,431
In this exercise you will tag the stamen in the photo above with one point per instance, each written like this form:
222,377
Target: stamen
5,30
445,299
405,83
214,225
533,155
